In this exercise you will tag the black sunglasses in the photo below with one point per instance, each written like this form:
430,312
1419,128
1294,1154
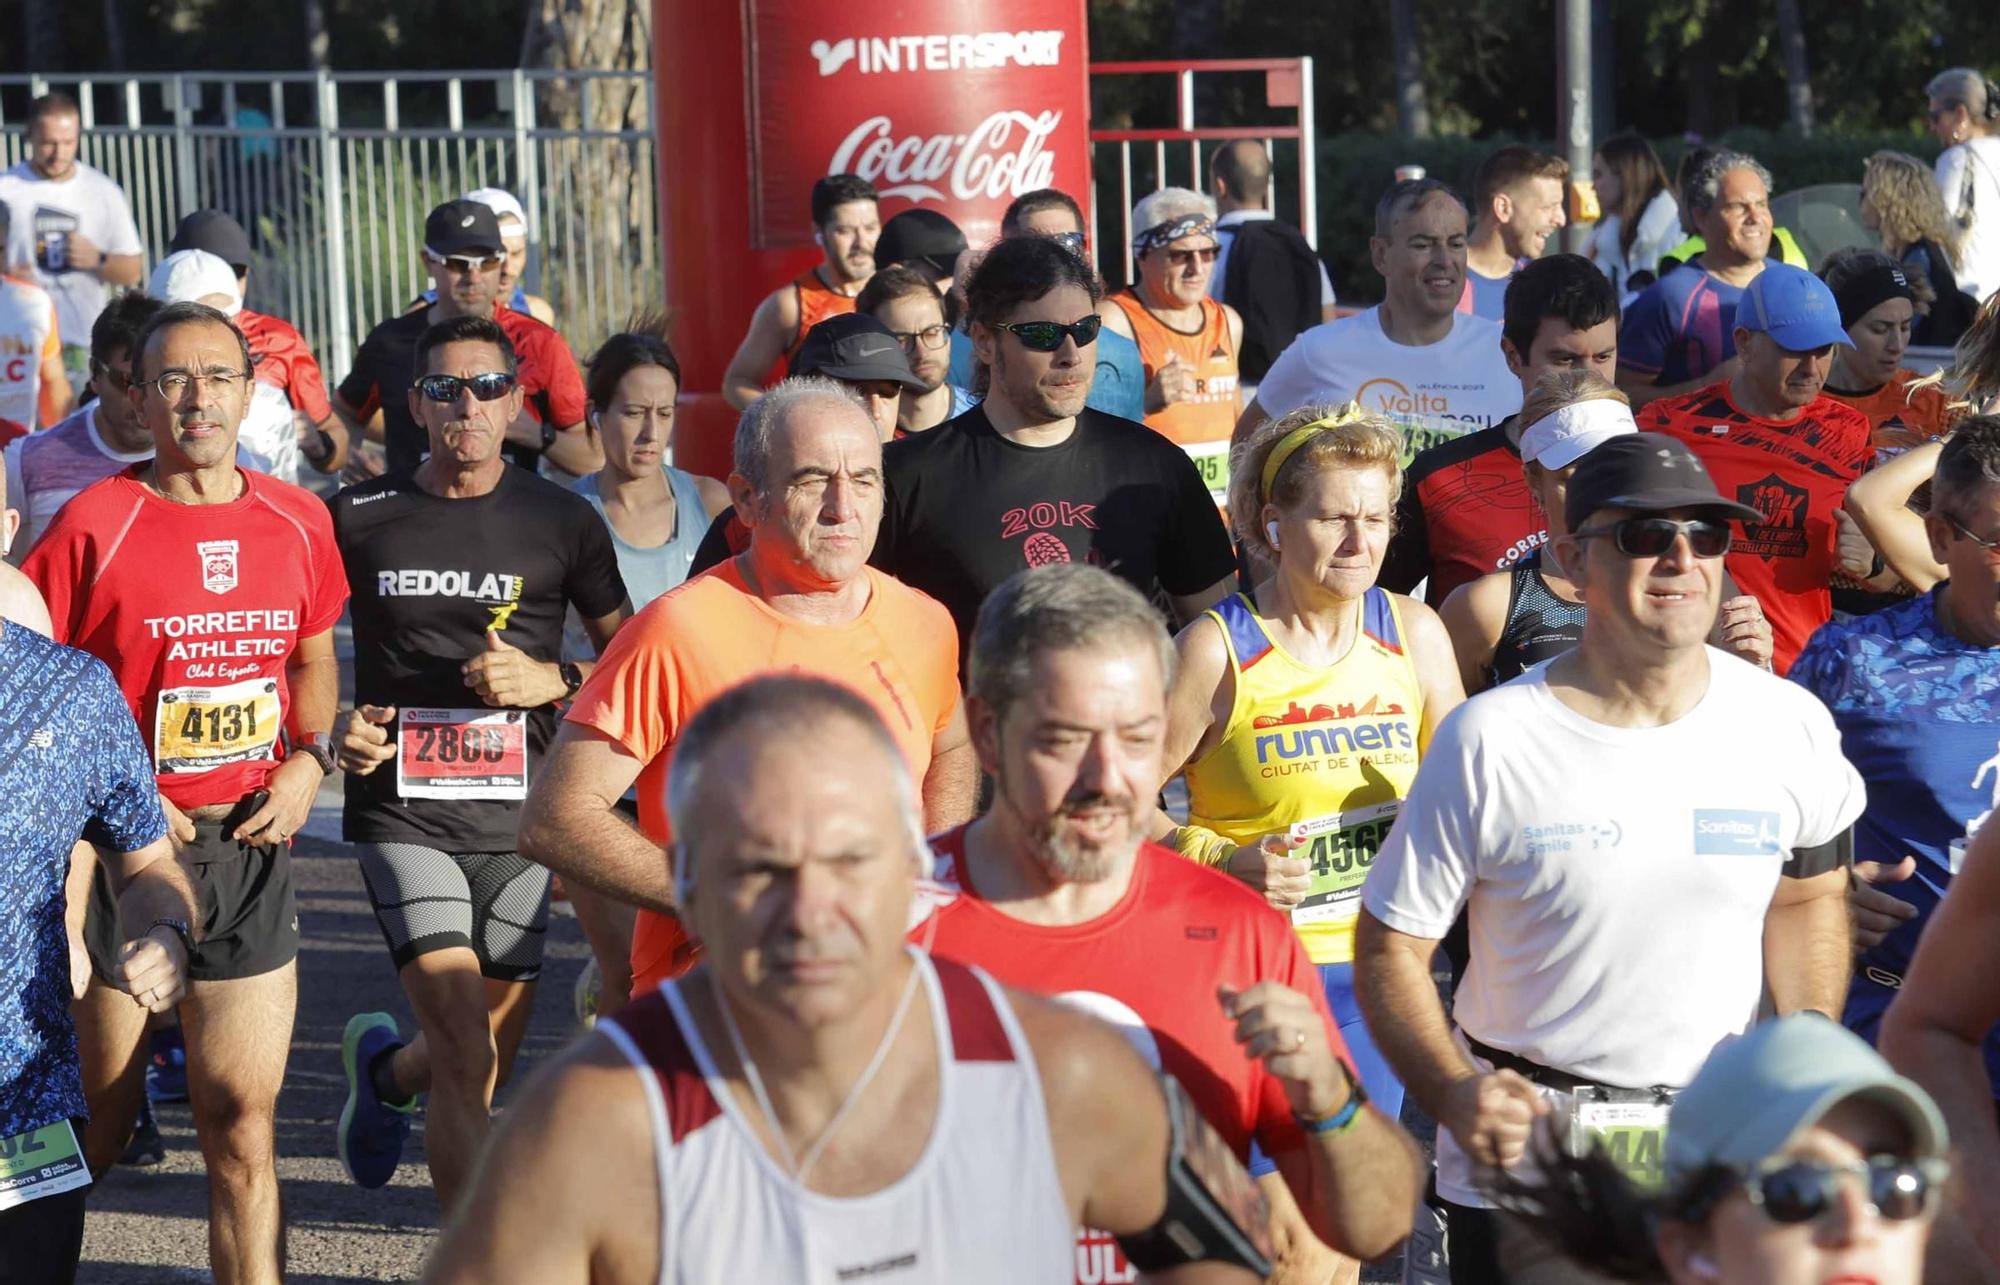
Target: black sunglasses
1047,336
1652,537
491,386
1803,1190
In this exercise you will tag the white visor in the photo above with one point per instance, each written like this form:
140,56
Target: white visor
1560,440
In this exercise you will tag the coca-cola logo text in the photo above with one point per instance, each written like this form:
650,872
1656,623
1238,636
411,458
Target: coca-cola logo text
991,162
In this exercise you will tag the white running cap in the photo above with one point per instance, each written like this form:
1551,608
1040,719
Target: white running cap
191,276
502,203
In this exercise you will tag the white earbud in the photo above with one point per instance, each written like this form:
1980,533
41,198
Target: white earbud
1271,529
593,419
1704,1266
819,239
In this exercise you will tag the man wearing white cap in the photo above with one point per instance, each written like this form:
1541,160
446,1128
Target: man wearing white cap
269,438
514,239
1503,624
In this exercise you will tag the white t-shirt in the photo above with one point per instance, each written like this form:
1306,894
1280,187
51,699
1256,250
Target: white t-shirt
27,335
268,434
45,213
1970,172
1615,879
1445,389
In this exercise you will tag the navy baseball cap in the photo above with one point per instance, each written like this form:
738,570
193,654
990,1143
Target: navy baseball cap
1650,472
217,233
1792,306
854,348
462,227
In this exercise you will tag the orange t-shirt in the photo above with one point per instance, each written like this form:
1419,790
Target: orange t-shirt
1210,415
710,634
816,304
1898,418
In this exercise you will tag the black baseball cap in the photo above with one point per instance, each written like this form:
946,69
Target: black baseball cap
855,348
1651,472
920,234
217,233
459,227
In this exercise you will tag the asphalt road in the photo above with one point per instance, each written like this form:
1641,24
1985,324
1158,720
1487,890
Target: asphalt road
148,1226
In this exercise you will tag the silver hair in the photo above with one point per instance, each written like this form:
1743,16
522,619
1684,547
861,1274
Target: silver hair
1968,464
1068,606
1705,184
1167,204
752,448
1969,88
784,705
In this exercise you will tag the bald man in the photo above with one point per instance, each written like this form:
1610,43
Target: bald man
1270,285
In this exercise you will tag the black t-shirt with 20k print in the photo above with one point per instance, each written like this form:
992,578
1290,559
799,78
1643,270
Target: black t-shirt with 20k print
429,577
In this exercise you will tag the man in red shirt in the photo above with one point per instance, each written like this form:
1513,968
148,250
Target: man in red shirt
282,358
464,253
1465,510
211,592
1774,441
1054,890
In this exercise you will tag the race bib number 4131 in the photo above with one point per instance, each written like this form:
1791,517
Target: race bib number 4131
462,754
198,729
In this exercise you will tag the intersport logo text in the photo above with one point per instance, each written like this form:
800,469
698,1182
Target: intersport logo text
1003,156
958,51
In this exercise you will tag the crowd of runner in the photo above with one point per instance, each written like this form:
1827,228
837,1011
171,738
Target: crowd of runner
1016,815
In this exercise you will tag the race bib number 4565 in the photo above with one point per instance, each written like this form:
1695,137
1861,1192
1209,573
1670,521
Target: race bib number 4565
462,754
197,729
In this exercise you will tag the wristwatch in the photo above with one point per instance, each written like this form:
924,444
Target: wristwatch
572,676
181,930
320,746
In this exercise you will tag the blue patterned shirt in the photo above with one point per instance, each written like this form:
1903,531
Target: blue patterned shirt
71,764
1919,717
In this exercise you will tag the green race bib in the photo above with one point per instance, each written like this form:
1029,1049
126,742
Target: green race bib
1341,849
41,1162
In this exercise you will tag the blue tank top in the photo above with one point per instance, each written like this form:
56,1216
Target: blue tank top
648,573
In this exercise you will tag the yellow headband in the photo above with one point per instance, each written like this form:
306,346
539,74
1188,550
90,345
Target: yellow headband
1298,437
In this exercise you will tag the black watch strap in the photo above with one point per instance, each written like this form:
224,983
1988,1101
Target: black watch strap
320,747
572,676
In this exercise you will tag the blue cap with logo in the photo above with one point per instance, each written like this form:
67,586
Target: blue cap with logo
1792,306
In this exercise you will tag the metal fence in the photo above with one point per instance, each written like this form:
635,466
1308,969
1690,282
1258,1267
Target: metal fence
1176,155
331,174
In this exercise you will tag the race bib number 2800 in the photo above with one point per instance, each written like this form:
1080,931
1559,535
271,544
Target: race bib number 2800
197,729
462,754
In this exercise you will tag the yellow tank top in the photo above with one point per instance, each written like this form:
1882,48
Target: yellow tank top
1330,749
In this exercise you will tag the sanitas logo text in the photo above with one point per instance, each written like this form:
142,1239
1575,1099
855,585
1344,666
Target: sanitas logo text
959,51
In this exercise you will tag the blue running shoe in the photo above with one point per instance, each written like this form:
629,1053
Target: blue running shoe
166,1066
371,1133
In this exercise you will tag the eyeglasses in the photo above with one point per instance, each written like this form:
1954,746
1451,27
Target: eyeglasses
491,386
174,384
930,337
1204,255
1800,1191
467,263
1047,336
1652,537
120,380
1071,241
1991,546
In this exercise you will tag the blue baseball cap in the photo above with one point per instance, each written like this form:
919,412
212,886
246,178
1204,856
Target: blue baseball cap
1792,306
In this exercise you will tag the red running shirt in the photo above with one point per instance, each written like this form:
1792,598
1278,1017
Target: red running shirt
1796,474
1150,966
196,609
283,361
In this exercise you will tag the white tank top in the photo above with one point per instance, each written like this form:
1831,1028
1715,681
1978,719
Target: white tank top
983,1203
27,318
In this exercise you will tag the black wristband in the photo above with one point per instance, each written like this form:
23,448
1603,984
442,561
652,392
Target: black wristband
325,442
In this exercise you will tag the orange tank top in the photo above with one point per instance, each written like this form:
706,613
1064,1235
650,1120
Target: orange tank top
1210,415
816,304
